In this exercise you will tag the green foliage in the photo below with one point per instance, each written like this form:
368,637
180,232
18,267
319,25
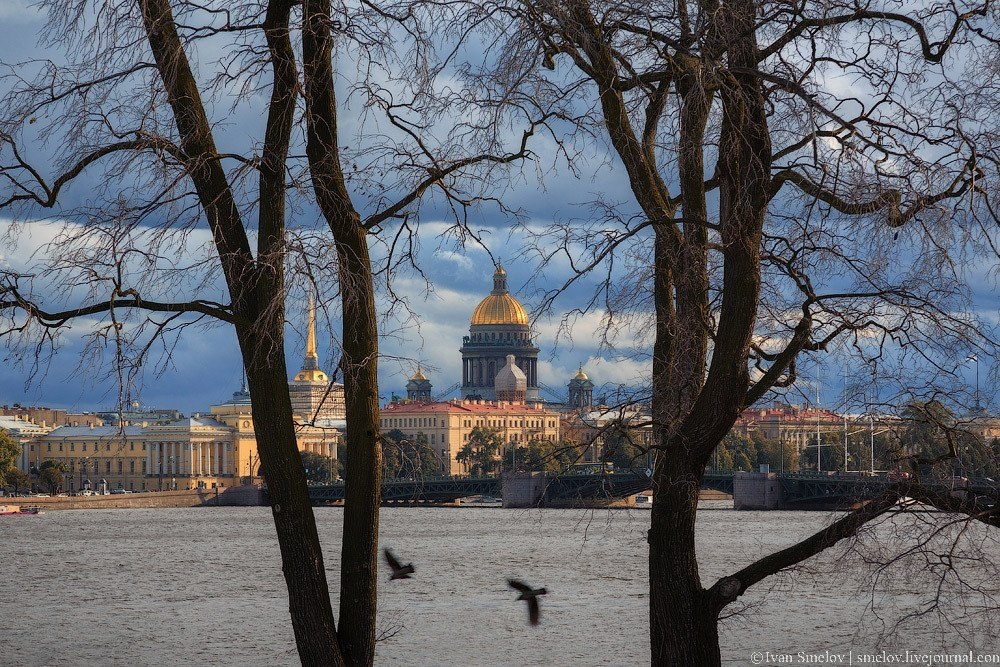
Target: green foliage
51,474
403,458
622,448
934,434
480,455
536,456
747,453
319,469
827,455
9,451
17,480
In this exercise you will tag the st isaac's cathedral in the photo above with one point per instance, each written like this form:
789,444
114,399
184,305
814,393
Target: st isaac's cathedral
499,329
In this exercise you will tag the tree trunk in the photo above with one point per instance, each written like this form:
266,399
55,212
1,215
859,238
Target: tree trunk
359,559
301,555
256,286
683,628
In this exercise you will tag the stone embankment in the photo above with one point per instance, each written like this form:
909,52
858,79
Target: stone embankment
241,496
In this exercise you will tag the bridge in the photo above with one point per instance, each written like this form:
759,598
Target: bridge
555,488
832,491
791,491
423,490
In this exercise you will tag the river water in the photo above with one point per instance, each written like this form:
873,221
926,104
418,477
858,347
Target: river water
181,586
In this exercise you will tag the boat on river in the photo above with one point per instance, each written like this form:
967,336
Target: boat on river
19,510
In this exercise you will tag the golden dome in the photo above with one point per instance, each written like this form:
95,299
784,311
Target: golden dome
419,375
580,375
500,307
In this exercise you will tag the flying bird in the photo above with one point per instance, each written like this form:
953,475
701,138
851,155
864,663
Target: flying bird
399,571
529,595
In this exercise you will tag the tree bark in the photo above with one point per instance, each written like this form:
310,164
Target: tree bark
258,301
301,554
683,626
359,563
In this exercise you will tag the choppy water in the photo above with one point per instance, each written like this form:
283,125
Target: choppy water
178,586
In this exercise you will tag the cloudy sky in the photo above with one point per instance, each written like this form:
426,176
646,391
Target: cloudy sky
204,366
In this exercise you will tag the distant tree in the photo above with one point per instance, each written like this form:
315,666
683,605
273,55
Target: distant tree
9,452
541,456
827,457
936,441
17,479
778,455
319,469
622,446
52,474
408,458
480,455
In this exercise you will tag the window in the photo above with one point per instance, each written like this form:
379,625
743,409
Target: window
131,448
107,447
143,467
71,446
131,467
107,467
121,464
60,447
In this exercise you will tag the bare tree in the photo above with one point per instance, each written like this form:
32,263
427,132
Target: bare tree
130,120
804,175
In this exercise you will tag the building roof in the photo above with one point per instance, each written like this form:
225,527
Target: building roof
500,307
511,378
103,432
192,422
20,426
339,424
463,407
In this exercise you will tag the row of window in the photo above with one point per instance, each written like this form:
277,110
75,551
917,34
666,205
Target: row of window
411,422
96,466
107,446
83,447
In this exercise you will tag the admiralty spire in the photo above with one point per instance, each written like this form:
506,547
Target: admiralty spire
313,395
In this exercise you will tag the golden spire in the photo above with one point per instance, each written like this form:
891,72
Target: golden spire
310,363
311,333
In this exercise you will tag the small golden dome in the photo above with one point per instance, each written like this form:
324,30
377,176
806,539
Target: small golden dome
580,375
419,375
500,307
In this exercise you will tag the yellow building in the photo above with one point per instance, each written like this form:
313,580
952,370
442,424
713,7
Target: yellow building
448,425
203,451
207,451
